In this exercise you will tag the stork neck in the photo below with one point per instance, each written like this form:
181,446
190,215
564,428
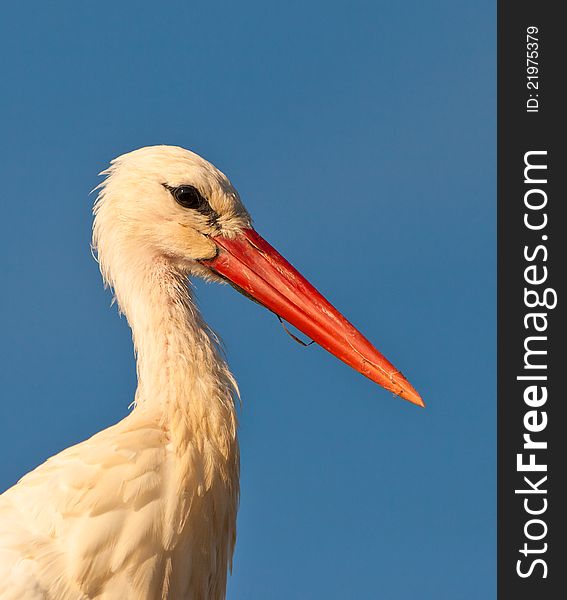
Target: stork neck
180,370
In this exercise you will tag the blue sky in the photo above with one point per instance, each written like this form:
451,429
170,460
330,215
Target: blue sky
361,136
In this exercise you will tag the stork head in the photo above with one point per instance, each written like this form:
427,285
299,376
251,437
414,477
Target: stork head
166,205
164,201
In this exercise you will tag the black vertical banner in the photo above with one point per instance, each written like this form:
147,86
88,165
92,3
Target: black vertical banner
532,346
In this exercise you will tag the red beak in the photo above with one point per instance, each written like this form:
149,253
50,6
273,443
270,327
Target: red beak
260,272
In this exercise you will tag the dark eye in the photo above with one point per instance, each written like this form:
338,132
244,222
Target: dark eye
188,197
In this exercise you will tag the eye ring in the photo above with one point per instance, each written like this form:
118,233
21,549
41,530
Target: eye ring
188,197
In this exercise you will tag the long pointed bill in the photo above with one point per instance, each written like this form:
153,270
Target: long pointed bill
259,271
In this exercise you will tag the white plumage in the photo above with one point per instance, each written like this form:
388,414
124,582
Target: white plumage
146,509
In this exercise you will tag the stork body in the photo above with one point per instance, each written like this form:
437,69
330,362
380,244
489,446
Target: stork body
146,509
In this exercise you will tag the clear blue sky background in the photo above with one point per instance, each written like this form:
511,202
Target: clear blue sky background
361,136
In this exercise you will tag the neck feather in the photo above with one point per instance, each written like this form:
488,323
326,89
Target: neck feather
181,372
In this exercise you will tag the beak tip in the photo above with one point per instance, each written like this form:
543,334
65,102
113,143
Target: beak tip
413,397
408,392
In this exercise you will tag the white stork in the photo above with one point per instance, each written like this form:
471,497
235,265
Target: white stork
146,509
